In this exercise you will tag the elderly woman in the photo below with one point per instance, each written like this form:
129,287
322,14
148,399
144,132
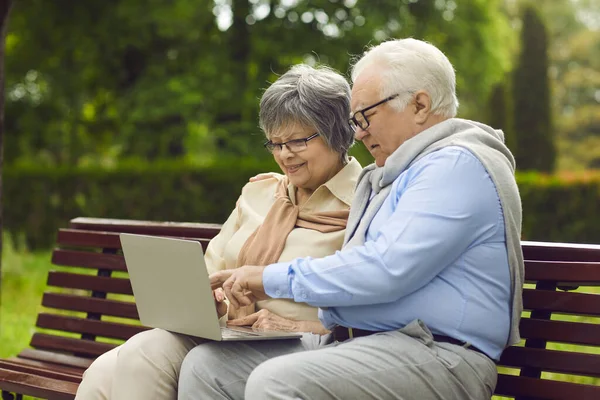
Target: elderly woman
300,213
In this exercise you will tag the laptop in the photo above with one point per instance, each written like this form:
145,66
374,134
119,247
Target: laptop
172,290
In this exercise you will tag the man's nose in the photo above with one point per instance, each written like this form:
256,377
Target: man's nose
360,133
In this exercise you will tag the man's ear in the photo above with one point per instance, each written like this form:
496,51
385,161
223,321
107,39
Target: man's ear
422,106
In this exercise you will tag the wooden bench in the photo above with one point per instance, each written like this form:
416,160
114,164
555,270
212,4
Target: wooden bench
89,310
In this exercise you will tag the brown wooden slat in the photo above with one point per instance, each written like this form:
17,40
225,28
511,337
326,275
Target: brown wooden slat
69,345
561,271
48,373
544,389
89,282
88,259
76,371
548,251
104,240
183,229
71,302
561,331
79,325
552,360
561,302
44,356
37,386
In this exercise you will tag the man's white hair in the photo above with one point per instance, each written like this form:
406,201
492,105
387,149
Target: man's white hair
409,65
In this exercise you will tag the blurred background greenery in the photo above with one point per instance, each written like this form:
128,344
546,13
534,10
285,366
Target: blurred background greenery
148,109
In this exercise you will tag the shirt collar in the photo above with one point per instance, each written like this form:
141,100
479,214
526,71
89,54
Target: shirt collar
342,185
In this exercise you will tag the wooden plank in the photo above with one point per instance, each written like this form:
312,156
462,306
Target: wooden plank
76,371
509,385
37,386
89,282
561,302
183,229
549,251
561,331
103,240
565,362
88,259
71,302
40,371
69,345
562,271
79,325
44,356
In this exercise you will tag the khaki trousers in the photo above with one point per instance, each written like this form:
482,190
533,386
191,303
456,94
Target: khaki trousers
146,367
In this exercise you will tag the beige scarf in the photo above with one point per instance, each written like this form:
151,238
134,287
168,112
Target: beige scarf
266,244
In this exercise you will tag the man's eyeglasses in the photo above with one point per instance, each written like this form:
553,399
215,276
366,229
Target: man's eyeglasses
359,119
295,146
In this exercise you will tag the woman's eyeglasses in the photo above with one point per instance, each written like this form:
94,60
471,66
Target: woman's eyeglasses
295,146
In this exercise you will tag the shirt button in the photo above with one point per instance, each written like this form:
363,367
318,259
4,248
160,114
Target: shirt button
304,296
278,292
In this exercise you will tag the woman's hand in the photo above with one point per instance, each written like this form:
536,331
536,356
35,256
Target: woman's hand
265,320
220,304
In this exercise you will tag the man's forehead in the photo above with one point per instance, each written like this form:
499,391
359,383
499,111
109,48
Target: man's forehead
366,88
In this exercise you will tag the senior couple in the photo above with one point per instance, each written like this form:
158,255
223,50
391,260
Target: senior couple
412,293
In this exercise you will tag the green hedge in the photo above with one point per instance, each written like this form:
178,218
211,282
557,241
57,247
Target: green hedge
37,201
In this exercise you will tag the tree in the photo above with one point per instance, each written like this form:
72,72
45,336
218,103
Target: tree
4,10
99,81
535,147
499,115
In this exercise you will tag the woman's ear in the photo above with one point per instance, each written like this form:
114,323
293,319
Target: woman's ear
422,106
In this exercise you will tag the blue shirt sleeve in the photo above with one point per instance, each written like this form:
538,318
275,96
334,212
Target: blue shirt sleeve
441,207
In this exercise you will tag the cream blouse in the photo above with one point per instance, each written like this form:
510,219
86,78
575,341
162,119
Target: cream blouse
251,209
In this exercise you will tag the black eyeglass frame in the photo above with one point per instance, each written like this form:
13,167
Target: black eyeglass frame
353,122
270,146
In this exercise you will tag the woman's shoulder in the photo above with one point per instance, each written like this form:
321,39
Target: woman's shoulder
265,186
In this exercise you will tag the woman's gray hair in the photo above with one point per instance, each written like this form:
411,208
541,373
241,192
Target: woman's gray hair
409,65
316,97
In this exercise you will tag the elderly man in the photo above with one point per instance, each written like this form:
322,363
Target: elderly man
426,292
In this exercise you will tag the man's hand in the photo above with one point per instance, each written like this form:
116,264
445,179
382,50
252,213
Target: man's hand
263,176
243,286
220,304
264,320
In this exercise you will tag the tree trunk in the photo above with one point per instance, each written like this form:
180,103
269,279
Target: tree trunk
4,9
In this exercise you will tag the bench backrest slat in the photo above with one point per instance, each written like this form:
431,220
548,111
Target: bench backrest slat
561,331
552,360
81,325
86,259
76,346
542,251
104,240
89,282
533,388
71,302
561,271
188,230
561,302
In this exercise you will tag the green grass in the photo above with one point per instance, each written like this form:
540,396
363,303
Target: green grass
23,281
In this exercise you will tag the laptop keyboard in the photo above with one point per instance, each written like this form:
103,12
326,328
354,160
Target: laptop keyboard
228,333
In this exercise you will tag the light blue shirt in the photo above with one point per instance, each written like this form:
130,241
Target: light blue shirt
436,251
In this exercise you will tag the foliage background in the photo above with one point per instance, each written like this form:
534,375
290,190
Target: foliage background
108,101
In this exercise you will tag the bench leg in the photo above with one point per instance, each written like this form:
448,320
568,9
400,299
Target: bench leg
9,396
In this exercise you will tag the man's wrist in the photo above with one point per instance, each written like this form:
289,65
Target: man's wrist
276,281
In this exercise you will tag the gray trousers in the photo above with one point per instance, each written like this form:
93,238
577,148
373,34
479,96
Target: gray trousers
404,364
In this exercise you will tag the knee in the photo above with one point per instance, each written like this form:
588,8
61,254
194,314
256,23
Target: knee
97,379
155,346
199,363
275,379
